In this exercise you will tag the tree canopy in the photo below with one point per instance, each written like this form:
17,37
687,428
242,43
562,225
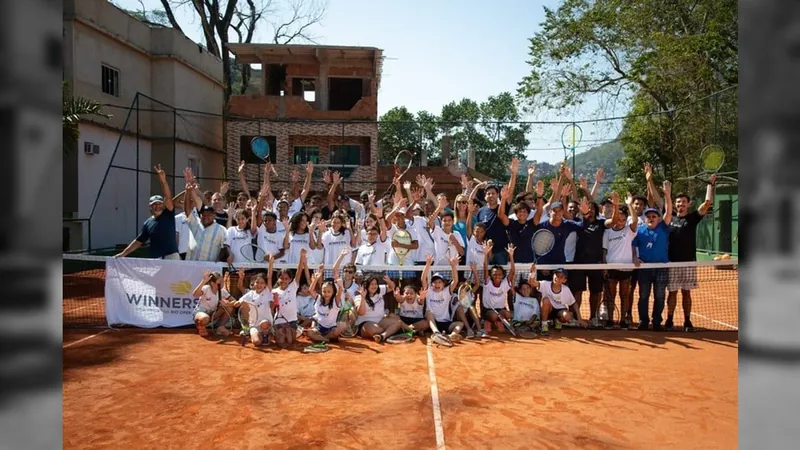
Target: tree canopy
678,60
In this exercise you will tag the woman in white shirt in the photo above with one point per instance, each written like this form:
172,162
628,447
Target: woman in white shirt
239,236
300,239
214,301
617,249
372,321
336,239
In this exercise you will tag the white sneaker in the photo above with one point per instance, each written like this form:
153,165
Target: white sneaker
470,333
440,339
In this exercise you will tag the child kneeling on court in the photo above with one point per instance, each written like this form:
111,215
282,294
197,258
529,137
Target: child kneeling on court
214,302
526,308
326,309
496,287
439,303
254,308
557,300
284,302
372,321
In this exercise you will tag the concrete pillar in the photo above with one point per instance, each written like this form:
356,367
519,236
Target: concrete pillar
264,77
423,157
321,87
471,158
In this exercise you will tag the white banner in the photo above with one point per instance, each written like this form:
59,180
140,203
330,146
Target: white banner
150,293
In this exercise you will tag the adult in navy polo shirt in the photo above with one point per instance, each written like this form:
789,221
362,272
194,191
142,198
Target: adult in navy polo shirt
495,230
561,228
159,228
652,244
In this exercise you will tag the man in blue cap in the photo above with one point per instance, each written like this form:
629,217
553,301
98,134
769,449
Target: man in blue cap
159,228
652,244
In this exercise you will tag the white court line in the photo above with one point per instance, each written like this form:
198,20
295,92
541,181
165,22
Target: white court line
84,339
437,412
716,321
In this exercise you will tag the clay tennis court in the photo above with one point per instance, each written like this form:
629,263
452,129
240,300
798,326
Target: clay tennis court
575,389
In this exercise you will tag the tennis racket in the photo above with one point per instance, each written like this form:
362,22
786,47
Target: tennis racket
253,253
400,338
506,323
260,147
465,296
571,137
343,316
401,237
542,243
441,340
248,318
320,347
712,158
222,319
458,166
402,163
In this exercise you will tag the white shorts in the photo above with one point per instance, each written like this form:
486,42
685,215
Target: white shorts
682,278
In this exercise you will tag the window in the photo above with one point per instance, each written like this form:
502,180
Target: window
110,81
348,155
304,154
304,87
194,164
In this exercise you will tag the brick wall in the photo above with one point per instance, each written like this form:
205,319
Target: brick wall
268,106
290,134
443,180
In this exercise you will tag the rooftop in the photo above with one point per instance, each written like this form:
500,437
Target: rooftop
334,55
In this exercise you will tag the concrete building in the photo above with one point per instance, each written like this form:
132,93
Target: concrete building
109,57
315,103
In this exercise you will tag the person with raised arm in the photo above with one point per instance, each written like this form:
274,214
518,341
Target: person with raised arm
651,246
683,247
495,230
209,236
159,228
441,312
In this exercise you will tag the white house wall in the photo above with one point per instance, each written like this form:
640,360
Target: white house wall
114,220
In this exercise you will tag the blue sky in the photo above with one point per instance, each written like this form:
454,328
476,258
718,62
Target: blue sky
439,51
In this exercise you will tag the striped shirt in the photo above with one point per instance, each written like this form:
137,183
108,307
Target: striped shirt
208,241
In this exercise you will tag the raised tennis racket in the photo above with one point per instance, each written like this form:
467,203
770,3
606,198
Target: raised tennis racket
712,158
542,243
260,147
401,237
402,163
248,318
253,253
506,323
458,166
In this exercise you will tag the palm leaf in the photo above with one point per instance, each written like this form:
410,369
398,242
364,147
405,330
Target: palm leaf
73,109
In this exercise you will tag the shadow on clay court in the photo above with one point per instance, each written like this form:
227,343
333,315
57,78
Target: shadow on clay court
100,350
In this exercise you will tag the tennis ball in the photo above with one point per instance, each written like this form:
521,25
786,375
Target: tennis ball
564,316
726,256
717,258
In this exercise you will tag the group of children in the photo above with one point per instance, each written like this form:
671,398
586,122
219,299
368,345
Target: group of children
325,307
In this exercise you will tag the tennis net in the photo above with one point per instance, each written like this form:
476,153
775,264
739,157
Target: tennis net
715,292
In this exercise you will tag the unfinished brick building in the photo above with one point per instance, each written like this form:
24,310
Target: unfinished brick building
314,103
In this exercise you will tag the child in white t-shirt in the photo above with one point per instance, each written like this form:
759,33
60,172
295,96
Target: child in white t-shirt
526,308
557,300
214,302
495,288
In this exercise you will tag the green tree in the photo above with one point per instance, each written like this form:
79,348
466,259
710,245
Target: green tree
73,109
660,56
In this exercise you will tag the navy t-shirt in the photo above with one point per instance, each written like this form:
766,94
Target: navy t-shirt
160,232
589,248
495,230
683,237
561,232
521,235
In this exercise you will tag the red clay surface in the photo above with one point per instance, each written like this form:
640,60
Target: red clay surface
576,389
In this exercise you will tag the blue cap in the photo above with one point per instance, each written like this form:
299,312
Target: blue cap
651,210
560,270
556,204
156,199
436,276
